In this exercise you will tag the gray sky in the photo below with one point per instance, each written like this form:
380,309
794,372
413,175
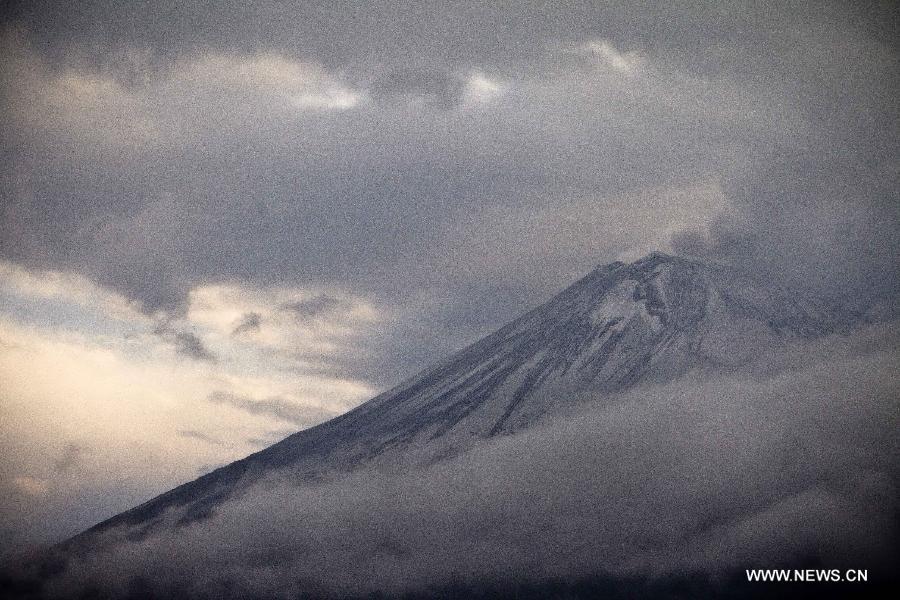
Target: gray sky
356,189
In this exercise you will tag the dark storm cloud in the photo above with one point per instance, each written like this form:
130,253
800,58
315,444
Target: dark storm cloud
475,157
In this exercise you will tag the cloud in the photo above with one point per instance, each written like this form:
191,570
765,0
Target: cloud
779,463
185,343
432,86
481,89
71,457
199,435
65,286
581,101
248,323
275,79
276,435
608,55
773,210
119,417
312,307
94,105
31,485
280,408
309,329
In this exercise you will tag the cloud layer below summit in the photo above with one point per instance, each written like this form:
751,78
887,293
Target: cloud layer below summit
781,463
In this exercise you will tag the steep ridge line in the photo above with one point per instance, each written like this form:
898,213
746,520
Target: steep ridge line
619,326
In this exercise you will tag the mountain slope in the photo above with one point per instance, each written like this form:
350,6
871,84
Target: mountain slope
620,326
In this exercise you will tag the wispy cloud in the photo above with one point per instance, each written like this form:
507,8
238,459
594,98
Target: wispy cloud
32,486
248,323
199,435
70,459
317,330
125,398
280,408
66,287
304,86
608,55
312,307
158,110
185,343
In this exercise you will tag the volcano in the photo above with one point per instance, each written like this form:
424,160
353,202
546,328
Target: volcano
621,326
654,430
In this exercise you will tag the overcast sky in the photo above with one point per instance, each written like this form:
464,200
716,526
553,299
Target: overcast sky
222,223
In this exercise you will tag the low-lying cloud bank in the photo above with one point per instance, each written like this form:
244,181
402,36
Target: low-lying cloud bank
778,465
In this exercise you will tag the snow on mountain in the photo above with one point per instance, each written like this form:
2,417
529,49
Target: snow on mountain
620,326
